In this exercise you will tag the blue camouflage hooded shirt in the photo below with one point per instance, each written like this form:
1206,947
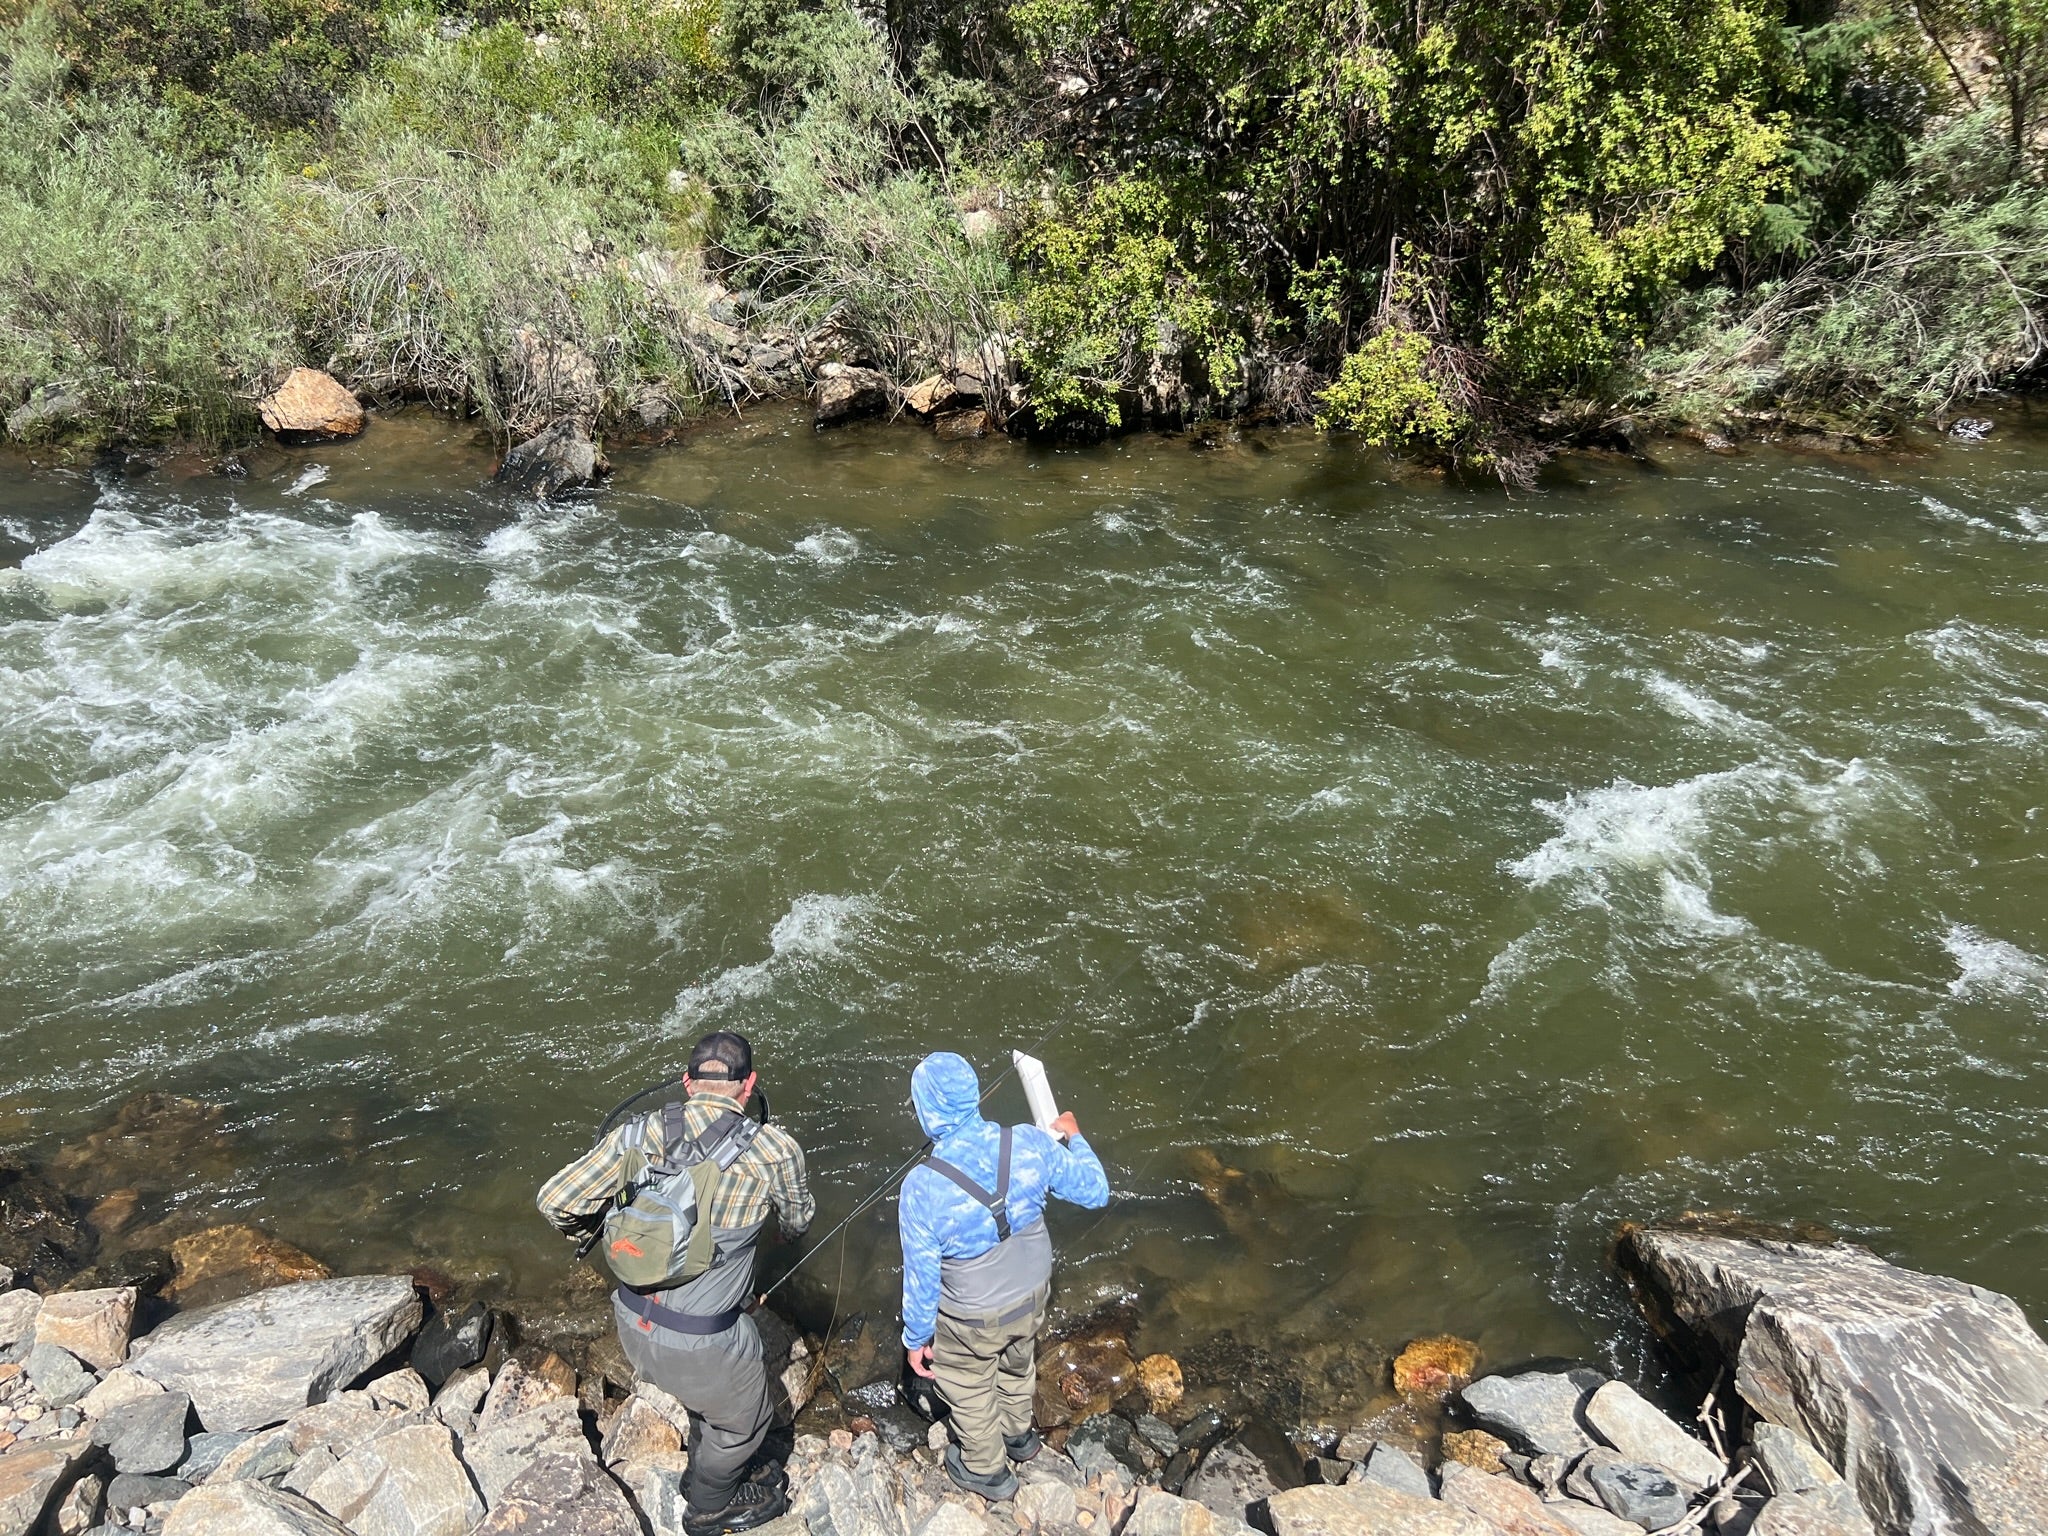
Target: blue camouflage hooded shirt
939,1220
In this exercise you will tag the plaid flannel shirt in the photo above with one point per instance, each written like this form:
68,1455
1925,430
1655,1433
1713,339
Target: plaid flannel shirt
768,1173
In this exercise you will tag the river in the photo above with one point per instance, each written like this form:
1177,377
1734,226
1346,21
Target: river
1415,881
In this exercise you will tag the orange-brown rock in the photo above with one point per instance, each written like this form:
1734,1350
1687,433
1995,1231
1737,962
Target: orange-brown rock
156,1141
311,407
929,395
1082,1375
1160,1380
1477,1449
557,1373
955,425
222,1263
116,1212
1435,1367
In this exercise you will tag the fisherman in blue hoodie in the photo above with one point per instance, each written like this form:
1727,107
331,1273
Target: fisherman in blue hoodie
977,1264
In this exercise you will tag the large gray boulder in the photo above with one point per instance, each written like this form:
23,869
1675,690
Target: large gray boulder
1928,1394
255,1361
1540,1412
1356,1509
248,1509
1633,1427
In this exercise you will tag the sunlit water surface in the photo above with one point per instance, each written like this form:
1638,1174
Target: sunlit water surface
1416,881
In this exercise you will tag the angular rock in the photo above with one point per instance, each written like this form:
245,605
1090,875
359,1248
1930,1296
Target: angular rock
1159,1513
223,1263
1159,1378
1621,1417
499,1453
309,1469
1537,1411
115,1389
561,1495
929,395
259,1458
450,1342
557,459
1816,1512
843,393
1367,1509
248,1509
253,1362
406,1483
18,1311
1475,1448
47,413
1507,1506
1927,1393
1392,1467
403,1390
639,1433
58,1376
33,1475
555,379
132,1490
1157,1433
1578,1483
1788,1463
955,1520
1546,1474
147,1435
205,1452
93,1325
311,407
341,1424
1648,1496
79,1509
1590,1519
956,426
1231,1480
515,1391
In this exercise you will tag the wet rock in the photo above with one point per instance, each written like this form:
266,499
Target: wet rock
59,1378
452,1341
311,407
40,1239
1437,1367
18,1311
560,458
255,1361
1231,1480
226,1262
156,1141
1475,1448
1539,1411
1969,429
1625,1421
843,393
93,1325
1926,1392
900,1429
1157,1433
1359,1508
132,1490
561,1495
958,426
405,1483
33,1475
146,1271
1646,1496
1159,1378
1082,1375
147,1435
1389,1465
114,1214
1507,1506
205,1452
248,1509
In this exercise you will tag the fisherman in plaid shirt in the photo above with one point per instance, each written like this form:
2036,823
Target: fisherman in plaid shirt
695,1341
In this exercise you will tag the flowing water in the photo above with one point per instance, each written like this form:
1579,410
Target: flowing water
1418,881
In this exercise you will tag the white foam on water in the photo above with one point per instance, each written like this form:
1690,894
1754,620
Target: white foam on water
310,476
814,928
2031,530
1690,704
1986,966
831,548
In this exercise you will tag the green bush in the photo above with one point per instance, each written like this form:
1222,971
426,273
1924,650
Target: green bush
1386,393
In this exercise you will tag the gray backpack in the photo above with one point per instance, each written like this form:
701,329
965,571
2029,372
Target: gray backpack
657,1232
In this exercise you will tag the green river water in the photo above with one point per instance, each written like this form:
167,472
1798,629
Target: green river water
1420,880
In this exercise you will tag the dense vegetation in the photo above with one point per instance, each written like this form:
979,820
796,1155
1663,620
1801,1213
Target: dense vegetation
1467,230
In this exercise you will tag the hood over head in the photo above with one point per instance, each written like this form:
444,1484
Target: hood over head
946,1092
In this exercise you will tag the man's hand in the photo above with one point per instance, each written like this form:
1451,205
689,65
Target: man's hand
920,1361
1066,1126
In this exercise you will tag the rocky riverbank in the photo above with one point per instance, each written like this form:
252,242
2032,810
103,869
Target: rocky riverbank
227,1383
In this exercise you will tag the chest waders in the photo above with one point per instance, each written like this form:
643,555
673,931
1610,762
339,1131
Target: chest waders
1005,1284
700,1165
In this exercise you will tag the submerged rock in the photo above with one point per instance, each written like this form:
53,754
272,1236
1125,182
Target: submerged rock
1927,1393
1159,1378
255,1361
41,1241
311,407
1435,1367
561,458
225,1262
156,1141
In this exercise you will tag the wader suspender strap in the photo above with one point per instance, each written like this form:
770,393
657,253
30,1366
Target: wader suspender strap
998,1203
714,1156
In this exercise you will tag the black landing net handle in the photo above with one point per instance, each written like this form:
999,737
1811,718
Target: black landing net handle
618,1113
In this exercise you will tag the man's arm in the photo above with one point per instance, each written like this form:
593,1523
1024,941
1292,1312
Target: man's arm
1076,1173
582,1190
789,1187
920,1265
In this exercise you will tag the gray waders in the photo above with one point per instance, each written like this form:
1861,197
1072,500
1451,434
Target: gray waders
697,1344
985,1349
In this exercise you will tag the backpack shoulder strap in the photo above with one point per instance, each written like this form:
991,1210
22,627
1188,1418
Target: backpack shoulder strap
996,1204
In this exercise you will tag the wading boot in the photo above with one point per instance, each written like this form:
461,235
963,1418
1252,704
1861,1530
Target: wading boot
995,1488
1023,1447
752,1504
